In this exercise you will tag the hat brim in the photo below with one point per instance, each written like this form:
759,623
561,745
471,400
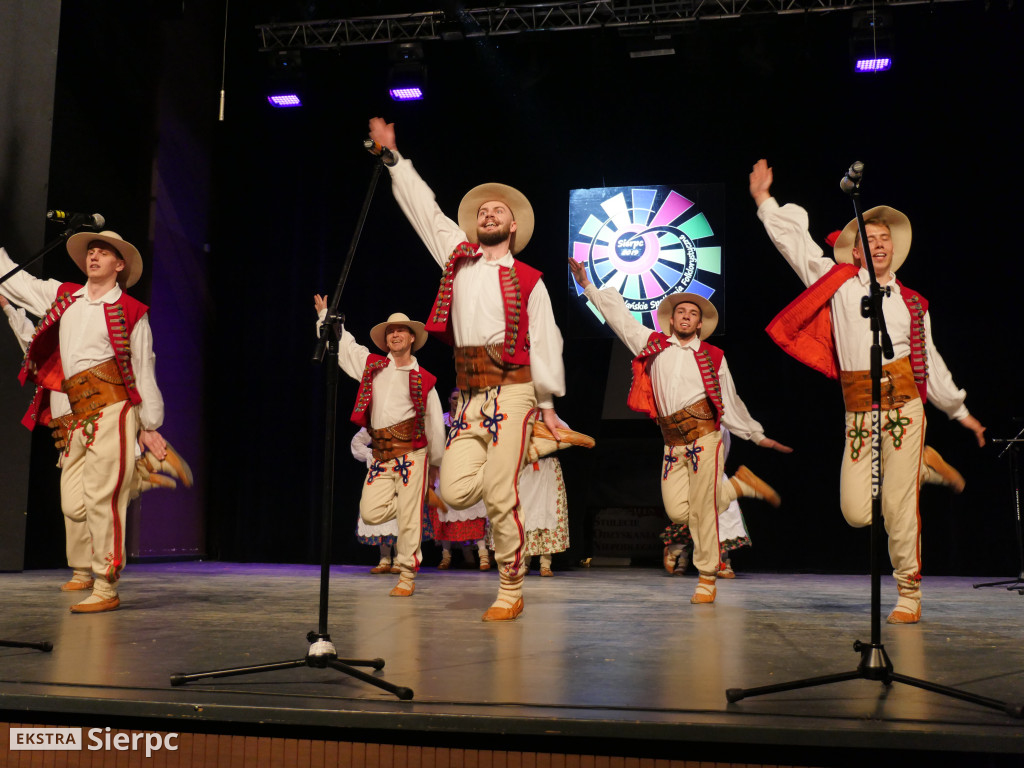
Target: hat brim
899,228
78,247
522,211
378,336
708,313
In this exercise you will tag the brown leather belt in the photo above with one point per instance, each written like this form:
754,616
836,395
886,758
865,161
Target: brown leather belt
689,423
95,388
482,367
898,387
394,441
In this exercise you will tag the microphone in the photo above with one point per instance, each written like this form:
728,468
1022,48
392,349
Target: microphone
851,181
379,150
94,220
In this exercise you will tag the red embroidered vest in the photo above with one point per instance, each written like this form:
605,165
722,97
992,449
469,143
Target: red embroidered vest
517,284
420,384
42,365
641,390
804,328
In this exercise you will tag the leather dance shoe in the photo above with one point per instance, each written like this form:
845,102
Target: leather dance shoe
76,586
381,568
173,465
761,489
546,571
949,475
100,606
504,612
668,560
907,611
404,589
705,592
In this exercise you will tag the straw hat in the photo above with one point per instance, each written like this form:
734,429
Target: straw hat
78,246
522,211
709,315
899,228
377,333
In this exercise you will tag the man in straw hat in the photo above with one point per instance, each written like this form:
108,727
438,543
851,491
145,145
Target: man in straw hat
496,312
95,344
398,406
824,328
684,383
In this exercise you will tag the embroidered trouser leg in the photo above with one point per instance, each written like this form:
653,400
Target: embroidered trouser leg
486,450
397,488
902,441
95,487
690,479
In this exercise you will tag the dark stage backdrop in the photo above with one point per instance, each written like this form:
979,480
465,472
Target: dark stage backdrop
28,37
571,110
133,90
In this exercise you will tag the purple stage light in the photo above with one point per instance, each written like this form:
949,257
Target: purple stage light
880,64
285,100
408,93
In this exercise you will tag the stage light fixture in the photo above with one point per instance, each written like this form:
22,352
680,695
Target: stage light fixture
284,100
871,42
285,80
407,78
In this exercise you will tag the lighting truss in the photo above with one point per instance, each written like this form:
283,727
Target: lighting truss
539,17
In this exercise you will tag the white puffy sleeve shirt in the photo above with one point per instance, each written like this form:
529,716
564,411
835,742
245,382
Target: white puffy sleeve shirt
84,340
478,315
787,227
392,402
675,375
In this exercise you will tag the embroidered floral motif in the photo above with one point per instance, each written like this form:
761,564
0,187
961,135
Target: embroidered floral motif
458,424
858,434
492,423
897,426
88,425
403,464
693,454
670,459
375,471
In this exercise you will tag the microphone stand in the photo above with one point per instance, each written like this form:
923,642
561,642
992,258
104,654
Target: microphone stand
1012,446
321,652
45,646
874,661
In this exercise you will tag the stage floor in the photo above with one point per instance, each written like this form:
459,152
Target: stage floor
599,654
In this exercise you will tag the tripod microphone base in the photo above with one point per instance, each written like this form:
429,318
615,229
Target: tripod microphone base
875,665
321,654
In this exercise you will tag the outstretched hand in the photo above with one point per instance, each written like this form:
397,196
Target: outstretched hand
974,425
761,178
319,303
383,133
775,445
579,273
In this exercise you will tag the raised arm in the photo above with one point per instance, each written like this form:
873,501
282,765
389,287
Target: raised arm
351,356
612,307
26,290
439,233
787,226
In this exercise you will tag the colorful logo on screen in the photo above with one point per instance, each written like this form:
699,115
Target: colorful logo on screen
646,243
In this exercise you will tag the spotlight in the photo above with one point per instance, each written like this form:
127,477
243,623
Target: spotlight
283,100
285,80
871,42
407,79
